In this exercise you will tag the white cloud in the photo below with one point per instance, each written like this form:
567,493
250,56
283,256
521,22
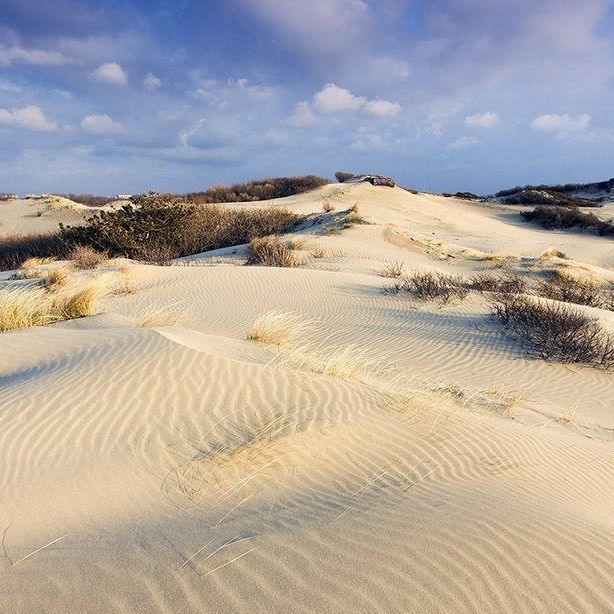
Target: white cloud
381,108
462,142
562,125
151,82
482,120
111,72
100,124
38,57
303,116
30,118
334,99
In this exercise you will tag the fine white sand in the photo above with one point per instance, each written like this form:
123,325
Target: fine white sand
184,468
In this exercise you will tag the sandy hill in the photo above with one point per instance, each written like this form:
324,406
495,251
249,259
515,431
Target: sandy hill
390,455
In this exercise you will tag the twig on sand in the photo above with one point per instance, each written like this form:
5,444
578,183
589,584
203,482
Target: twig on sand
39,549
228,562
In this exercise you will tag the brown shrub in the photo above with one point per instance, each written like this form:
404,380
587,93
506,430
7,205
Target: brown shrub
84,257
429,286
555,331
270,251
263,189
486,282
563,287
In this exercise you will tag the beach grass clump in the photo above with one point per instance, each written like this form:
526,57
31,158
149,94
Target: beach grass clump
270,251
555,331
24,307
278,328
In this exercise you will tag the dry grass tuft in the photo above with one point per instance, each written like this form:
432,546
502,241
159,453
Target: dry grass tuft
278,328
84,257
393,269
31,262
342,361
552,252
270,251
33,306
124,285
76,305
23,308
166,315
54,279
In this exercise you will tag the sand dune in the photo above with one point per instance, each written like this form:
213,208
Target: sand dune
186,468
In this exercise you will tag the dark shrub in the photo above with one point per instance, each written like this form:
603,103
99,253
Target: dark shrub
555,331
14,249
343,176
264,189
568,217
544,197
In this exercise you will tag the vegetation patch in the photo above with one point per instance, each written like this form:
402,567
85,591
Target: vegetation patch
270,251
16,249
263,189
568,217
555,331
159,227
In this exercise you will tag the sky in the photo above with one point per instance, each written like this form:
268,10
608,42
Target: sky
122,96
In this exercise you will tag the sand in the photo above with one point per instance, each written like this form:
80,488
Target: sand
184,468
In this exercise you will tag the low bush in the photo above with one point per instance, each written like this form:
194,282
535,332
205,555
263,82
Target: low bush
568,217
533,196
486,282
89,199
429,286
84,257
555,331
569,289
15,249
159,227
343,176
270,251
264,189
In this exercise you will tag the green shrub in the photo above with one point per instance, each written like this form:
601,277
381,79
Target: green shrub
159,227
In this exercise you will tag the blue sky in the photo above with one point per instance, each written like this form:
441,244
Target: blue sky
123,96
